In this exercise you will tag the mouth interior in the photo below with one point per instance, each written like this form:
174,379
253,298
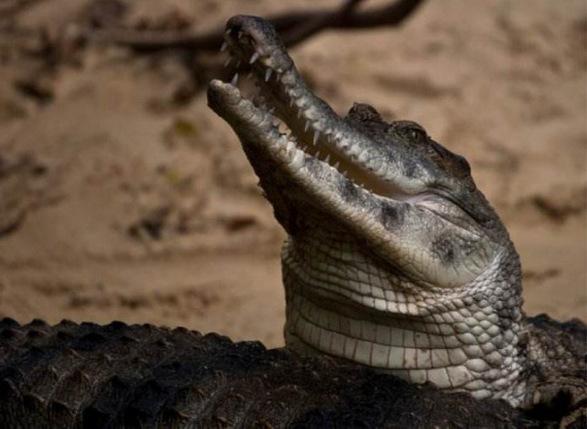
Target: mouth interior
273,99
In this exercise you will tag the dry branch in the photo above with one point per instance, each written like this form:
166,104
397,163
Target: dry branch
293,26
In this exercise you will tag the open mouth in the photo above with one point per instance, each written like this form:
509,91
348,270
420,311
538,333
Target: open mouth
294,125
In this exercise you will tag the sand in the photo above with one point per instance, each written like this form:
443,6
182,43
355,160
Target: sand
123,204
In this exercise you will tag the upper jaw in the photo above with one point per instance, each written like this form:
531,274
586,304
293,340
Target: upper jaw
315,127
334,165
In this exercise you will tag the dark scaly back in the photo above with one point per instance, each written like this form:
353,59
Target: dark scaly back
557,369
117,375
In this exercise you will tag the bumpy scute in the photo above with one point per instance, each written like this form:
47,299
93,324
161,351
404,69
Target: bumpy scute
91,376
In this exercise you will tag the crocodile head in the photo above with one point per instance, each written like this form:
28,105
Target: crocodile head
394,258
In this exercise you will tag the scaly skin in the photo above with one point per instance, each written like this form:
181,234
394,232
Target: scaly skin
113,376
401,264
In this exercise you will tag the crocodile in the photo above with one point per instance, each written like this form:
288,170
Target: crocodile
403,295
394,258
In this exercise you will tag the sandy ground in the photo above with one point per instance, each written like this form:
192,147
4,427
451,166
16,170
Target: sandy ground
130,206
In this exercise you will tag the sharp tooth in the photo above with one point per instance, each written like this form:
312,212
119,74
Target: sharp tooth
327,159
363,157
227,62
292,102
299,114
317,155
240,34
234,80
268,75
344,173
316,136
337,164
254,58
306,126
298,159
224,46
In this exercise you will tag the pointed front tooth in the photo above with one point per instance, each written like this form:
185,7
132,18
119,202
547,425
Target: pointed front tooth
316,136
282,141
297,159
306,126
234,80
254,58
223,46
299,114
227,62
337,164
268,74
327,159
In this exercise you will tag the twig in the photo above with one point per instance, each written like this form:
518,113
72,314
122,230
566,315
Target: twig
294,27
314,25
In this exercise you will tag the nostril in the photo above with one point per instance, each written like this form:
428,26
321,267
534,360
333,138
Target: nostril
236,23
233,31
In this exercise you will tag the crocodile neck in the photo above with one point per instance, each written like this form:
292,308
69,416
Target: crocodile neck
342,302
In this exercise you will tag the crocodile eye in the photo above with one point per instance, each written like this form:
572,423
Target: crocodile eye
417,134
411,130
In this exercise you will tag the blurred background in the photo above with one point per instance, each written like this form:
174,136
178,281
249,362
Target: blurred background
122,196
